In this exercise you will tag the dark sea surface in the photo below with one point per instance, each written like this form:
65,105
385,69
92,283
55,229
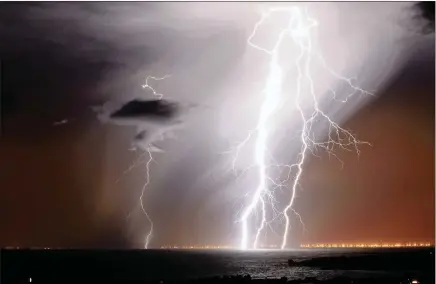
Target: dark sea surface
187,264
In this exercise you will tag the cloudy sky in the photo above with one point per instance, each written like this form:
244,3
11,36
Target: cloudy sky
60,184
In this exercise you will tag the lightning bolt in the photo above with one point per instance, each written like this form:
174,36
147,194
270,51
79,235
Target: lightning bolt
148,86
298,30
149,159
141,201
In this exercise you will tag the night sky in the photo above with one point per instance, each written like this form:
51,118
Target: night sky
58,183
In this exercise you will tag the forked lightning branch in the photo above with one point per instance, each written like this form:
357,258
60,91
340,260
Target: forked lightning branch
299,30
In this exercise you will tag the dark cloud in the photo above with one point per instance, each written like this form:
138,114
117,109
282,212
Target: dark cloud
426,12
137,109
154,120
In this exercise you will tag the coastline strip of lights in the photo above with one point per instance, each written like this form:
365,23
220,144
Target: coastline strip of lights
368,245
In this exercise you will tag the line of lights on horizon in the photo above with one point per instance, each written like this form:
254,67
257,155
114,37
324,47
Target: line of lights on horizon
368,245
315,245
306,246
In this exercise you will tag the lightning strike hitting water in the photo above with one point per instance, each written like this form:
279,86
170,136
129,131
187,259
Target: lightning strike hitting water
298,30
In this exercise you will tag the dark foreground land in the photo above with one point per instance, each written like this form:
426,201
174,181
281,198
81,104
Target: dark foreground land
164,267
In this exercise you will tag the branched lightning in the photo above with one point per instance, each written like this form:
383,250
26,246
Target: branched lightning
148,86
298,30
149,158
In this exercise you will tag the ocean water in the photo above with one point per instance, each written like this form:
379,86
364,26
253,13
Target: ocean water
272,264
187,264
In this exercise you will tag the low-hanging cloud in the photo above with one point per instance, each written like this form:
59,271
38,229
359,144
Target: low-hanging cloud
153,119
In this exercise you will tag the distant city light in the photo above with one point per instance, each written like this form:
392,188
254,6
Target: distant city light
271,247
316,245
367,245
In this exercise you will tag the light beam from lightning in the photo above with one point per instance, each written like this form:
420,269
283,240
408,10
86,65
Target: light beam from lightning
298,30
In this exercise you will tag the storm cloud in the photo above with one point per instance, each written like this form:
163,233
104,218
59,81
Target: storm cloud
89,54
